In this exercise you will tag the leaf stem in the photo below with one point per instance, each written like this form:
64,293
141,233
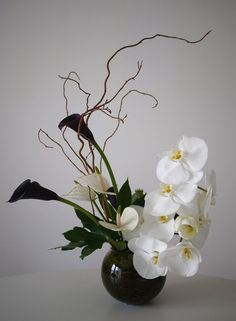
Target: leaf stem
84,211
108,166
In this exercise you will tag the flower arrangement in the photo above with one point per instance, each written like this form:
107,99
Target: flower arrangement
148,224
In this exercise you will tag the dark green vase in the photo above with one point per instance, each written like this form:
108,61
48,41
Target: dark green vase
123,282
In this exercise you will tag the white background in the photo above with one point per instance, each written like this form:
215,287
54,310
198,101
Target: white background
195,86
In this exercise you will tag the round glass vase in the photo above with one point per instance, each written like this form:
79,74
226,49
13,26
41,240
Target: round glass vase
122,281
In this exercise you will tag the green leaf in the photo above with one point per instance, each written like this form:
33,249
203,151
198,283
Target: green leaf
79,234
124,195
87,250
71,246
86,221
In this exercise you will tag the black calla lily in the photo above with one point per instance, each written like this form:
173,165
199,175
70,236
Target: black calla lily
32,190
73,121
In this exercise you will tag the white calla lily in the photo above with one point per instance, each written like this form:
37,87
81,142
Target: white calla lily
81,193
96,182
128,235
147,258
184,163
182,259
125,222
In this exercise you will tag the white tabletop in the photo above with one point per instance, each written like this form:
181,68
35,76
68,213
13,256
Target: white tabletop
80,296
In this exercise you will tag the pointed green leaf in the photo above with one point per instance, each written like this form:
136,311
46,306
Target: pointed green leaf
87,250
124,195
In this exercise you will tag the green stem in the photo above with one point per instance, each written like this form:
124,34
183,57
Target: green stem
87,213
108,166
98,209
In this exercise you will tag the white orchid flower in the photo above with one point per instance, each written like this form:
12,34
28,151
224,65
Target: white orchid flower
81,193
159,227
198,209
182,259
96,182
147,258
125,222
186,226
184,163
168,198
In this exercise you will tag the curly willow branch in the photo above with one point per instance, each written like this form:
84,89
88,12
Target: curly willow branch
137,44
121,119
41,131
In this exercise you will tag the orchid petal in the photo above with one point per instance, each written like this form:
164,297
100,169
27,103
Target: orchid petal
185,193
163,231
150,244
171,172
187,227
195,152
182,259
202,235
195,177
157,205
146,266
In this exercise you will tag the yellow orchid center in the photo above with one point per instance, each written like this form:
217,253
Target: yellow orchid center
166,189
155,258
176,155
163,219
187,253
189,230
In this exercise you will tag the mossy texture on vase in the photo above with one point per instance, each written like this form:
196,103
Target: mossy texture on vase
123,282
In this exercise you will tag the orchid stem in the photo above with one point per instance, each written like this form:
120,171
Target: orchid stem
202,189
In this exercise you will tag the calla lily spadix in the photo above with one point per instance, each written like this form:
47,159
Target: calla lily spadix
147,257
183,163
125,222
182,259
